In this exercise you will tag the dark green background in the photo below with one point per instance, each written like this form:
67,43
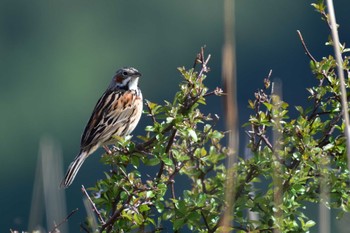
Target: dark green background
57,58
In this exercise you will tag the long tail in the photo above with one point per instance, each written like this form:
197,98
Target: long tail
73,169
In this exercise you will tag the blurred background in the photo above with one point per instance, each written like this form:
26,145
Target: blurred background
58,57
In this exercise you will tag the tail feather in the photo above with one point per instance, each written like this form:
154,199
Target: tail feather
73,169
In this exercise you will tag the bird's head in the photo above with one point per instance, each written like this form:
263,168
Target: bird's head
126,78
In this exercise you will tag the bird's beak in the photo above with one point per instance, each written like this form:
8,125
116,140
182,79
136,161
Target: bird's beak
137,74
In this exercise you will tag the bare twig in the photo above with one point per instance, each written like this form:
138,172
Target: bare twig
218,92
200,59
307,52
205,68
93,205
63,221
267,142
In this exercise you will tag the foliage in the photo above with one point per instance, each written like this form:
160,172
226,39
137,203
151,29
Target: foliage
185,149
294,161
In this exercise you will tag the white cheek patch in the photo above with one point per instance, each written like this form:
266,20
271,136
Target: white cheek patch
133,84
125,81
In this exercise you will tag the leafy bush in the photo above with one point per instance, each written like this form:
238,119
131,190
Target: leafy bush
294,161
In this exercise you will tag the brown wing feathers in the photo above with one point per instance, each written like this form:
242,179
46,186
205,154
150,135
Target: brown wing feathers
109,110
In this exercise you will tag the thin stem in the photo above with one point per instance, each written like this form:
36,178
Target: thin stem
206,222
93,205
64,220
167,149
307,52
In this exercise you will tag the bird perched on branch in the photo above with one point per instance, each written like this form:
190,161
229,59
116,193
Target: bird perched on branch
116,113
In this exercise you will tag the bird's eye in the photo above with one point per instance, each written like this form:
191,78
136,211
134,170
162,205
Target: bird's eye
125,73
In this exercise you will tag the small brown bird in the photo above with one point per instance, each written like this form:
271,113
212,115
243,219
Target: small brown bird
116,113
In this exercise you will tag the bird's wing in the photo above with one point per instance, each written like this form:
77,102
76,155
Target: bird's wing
111,116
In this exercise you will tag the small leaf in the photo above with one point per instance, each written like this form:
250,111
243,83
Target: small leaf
168,161
178,223
193,134
152,162
310,223
268,106
299,109
144,208
135,161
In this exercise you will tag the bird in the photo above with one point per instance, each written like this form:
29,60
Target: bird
116,114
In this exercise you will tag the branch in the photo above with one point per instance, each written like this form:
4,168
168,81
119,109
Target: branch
170,130
63,221
116,214
267,142
187,105
200,59
307,52
93,205
167,149
218,92
327,134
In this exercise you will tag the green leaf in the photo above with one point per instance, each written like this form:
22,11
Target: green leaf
135,161
193,134
144,208
168,161
152,161
310,223
299,109
178,223
268,106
